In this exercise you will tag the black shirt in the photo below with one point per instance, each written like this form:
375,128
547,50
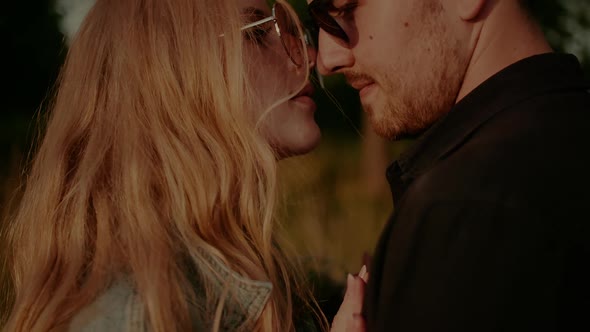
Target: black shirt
491,227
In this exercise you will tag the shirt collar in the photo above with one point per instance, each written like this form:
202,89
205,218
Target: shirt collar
533,76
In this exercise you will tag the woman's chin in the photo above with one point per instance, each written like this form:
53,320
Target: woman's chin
299,145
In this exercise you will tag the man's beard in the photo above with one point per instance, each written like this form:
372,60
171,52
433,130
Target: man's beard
407,109
410,114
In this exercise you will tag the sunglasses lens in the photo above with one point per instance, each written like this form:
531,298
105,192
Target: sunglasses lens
290,34
319,11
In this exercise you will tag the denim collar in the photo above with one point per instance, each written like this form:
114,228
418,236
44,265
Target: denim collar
244,298
120,307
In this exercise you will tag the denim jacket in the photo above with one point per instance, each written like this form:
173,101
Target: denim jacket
120,308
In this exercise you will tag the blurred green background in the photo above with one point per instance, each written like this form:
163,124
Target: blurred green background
335,199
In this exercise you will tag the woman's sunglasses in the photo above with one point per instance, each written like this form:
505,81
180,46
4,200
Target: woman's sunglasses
289,29
327,17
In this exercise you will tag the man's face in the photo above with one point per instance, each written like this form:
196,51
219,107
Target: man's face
407,57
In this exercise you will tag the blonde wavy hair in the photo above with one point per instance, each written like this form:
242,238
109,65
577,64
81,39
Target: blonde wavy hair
149,158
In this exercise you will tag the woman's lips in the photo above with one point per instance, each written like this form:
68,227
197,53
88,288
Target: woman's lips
304,97
306,91
305,100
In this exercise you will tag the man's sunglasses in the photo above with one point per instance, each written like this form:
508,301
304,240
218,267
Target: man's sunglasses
327,17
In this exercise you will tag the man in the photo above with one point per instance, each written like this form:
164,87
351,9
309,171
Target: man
490,230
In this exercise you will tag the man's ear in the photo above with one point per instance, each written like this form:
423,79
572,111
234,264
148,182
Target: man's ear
468,10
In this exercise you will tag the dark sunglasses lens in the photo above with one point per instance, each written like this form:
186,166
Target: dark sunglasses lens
321,15
290,35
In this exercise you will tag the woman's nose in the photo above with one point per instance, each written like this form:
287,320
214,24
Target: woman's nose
298,57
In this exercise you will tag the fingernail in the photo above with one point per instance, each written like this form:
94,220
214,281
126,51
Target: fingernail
349,279
363,271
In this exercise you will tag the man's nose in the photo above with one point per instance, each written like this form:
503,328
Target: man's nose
332,54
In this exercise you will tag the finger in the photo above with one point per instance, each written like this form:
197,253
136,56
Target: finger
351,304
349,293
353,299
357,324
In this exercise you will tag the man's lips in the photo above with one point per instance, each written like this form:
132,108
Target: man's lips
363,86
359,85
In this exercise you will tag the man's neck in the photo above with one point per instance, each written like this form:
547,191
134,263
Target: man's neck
507,35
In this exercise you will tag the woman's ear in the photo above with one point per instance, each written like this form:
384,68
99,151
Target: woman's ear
468,10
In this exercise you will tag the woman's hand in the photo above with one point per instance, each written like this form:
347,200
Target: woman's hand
349,318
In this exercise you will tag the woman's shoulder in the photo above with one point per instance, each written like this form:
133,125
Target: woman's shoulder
117,309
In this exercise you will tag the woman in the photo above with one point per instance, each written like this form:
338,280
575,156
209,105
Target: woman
150,203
